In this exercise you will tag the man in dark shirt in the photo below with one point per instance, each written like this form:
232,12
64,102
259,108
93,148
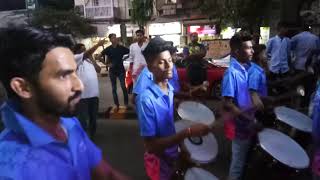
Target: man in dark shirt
115,53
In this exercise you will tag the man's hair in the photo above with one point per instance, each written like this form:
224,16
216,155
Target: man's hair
112,34
194,33
282,24
140,31
22,52
237,40
257,50
77,48
155,47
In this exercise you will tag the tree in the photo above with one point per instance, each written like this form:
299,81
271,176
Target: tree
142,11
63,21
249,14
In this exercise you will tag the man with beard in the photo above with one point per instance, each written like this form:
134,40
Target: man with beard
41,139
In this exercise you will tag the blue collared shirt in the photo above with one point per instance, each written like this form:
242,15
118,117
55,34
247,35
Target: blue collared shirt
235,85
145,79
29,152
316,118
302,44
257,79
155,114
278,52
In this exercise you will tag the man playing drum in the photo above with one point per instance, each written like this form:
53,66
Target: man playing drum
155,114
237,101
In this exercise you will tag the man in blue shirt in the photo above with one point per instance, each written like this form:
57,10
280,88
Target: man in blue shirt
155,114
278,53
41,139
237,101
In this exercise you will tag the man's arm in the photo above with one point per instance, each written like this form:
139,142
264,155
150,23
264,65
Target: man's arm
90,51
105,171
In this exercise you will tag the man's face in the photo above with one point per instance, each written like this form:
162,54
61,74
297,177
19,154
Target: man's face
194,37
162,66
246,51
140,37
114,39
59,88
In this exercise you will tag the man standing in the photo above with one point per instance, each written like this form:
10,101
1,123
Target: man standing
155,114
89,104
278,53
136,56
237,101
115,54
302,45
42,140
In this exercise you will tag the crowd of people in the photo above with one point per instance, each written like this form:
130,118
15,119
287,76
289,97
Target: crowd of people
48,80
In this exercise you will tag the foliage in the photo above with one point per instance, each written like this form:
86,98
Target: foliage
237,13
142,11
64,21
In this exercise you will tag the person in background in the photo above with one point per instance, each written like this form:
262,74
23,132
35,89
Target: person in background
136,56
87,109
302,45
115,53
239,127
42,139
279,53
155,114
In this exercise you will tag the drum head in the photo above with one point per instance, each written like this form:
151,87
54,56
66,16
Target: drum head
283,148
199,174
202,149
196,112
294,118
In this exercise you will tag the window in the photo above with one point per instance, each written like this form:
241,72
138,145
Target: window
95,2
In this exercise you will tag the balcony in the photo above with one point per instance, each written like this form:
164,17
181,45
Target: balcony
168,9
101,12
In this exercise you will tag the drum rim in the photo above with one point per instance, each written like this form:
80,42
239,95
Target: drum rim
201,170
293,142
212,120
307,128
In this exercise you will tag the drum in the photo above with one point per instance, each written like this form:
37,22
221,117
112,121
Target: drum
294,118
202,150
199,174
284,149
196,112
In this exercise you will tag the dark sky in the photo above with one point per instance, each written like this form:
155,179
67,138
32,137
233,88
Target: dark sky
12,5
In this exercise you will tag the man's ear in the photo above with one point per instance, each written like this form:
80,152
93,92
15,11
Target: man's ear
21,87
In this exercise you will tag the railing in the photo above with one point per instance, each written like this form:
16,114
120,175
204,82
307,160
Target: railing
99,12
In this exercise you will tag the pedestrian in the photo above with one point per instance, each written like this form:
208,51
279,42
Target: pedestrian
237,101
42,139
279,53
115,53
155,113
87,108
136,56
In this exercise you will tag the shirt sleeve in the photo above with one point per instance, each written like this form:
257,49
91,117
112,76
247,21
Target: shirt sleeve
228,83
269,49
105,52
146,116
94,153
131,53
254,79
125,50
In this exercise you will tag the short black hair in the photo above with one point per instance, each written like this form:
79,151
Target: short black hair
77,48
112,34
22,51
140,31
155,47
282,24
257,50
237,40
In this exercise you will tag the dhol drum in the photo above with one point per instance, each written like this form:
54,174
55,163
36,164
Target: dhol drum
199,174
294,123
196,112
202,150
277,156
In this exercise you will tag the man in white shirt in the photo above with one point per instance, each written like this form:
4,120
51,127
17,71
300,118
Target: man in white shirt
302,45
136,56
87,108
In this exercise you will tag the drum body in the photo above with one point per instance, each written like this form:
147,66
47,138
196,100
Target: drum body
199,174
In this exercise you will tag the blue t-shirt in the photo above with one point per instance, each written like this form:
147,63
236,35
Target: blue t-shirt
145,79
316,118
29,152
257,79
155,114
235,85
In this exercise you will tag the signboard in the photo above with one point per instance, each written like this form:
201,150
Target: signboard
164,28
217,48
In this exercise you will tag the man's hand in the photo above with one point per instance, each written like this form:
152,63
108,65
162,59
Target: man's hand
101,42
198,129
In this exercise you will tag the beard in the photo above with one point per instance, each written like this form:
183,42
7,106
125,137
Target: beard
50,104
